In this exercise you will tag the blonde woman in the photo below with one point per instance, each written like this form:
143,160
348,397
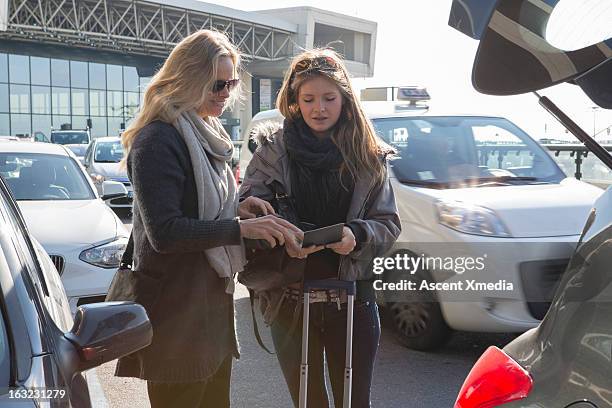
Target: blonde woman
186,233
328,159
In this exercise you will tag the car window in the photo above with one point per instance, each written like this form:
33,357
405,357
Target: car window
32,257
453,150
55,301
35,176
70,138
500,149
108,152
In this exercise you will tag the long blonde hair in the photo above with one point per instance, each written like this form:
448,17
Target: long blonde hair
184,81
353,134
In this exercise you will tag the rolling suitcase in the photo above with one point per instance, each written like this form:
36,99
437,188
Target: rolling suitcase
350,289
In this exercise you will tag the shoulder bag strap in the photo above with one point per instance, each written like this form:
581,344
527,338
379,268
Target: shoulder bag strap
128,254
255,327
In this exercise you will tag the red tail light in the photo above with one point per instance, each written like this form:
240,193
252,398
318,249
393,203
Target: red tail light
494,380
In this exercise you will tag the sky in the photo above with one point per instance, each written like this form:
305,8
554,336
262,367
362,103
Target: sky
415,46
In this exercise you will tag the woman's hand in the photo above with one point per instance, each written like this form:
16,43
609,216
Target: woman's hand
251,207
276,231
346,245
304,252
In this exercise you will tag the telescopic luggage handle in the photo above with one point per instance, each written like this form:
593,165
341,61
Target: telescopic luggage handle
349,286
351,289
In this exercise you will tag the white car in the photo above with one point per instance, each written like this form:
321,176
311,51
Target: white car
79,151
103,163
62,209
473,187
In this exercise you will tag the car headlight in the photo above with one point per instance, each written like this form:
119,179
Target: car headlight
470,219
106,255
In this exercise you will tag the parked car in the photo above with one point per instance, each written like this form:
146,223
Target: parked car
78,150
44,350
70,137
565,361
472,185
84,237
103,162
271,117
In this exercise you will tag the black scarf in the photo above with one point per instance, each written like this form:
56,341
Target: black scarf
320,197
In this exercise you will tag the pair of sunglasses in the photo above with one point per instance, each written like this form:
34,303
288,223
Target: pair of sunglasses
323,63
230,84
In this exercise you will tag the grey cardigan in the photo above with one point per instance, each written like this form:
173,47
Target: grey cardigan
372,206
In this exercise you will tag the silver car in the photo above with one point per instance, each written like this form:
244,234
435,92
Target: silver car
103,163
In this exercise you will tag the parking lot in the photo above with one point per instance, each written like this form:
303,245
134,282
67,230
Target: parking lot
402,377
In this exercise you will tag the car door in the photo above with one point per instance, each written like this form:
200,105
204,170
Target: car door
37,310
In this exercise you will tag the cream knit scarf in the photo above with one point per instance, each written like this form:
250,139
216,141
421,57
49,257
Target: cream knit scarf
210,150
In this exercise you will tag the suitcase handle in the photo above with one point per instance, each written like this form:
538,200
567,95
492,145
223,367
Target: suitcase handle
349,286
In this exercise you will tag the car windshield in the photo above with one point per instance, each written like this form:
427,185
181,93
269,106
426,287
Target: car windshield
108,152
443,151
69,138
36,176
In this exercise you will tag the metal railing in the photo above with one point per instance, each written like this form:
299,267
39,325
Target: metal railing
583,164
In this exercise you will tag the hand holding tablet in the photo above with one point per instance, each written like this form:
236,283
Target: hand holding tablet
323,236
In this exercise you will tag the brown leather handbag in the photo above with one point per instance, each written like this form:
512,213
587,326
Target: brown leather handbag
133,286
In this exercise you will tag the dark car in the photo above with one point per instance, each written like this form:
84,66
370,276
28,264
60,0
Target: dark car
43,349
567,360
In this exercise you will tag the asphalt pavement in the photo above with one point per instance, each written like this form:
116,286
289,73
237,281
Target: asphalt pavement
402,378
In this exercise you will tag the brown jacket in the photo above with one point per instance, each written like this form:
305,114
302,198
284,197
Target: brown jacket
372,206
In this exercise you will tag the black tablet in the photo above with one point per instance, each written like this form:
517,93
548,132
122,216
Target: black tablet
323,236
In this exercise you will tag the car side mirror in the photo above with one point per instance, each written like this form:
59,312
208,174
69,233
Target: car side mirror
113,189
103,332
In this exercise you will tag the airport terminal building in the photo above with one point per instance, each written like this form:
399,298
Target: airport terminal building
64,62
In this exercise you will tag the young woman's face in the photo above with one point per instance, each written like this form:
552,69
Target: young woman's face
320,103
215,102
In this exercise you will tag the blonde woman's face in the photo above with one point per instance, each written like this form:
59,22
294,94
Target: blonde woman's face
215,102
320,103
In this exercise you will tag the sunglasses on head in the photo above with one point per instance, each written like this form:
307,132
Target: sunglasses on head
316,64
230,84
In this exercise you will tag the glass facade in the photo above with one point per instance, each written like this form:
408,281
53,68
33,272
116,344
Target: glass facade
38,93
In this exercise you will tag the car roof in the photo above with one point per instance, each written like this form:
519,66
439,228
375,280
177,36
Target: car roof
430,114
401,109
383,110
107,139
33,147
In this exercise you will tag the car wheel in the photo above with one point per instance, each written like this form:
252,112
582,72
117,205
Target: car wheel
418,325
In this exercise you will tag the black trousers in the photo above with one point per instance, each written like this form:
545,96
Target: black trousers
212,393
328,336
